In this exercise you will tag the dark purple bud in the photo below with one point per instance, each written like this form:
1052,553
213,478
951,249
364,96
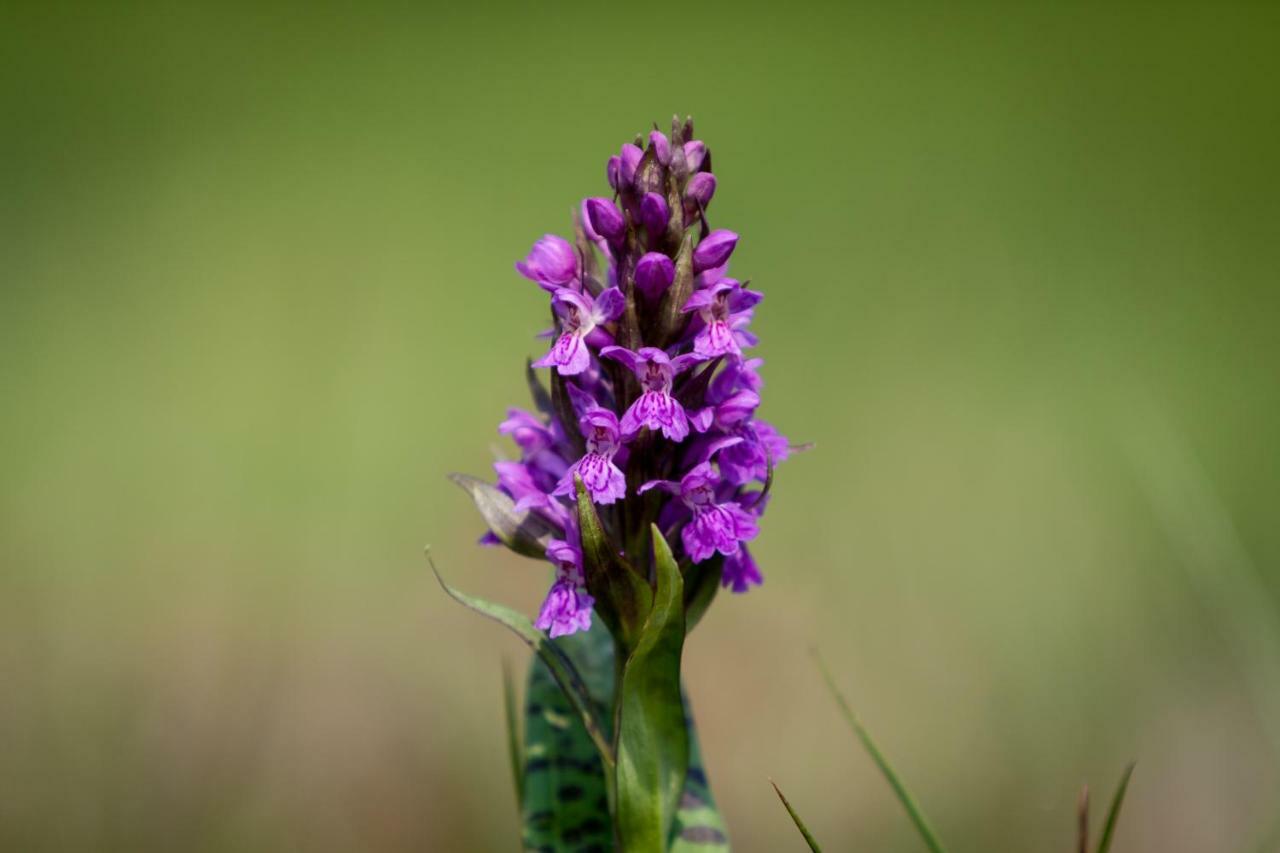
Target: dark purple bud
654,213
607,221
694,153
715,250
661,147
614,172
654,274
631,156
699,190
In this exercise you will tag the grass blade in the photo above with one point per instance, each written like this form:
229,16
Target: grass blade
1113,814
513,731
1082,821
795,818
565,673
904,796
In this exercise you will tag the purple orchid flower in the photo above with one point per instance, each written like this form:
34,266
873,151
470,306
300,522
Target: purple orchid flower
740,571
729,414
749,460
714,526
612,278
567,608
580,316
552,263
603,479
530,489
539,443
724,308
655,408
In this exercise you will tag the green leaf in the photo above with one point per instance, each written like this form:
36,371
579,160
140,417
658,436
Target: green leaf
1113,814
701,583
566,798
899,788
653,743
565,793
698,828
623,598
522,532
795,818
513,730
562,669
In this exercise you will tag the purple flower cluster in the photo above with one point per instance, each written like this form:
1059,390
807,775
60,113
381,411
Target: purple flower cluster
652,401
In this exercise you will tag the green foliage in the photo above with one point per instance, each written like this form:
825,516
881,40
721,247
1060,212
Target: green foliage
795,818
561,667
623,598
698,828
565,805
899,788
1113,814
653,743
513,731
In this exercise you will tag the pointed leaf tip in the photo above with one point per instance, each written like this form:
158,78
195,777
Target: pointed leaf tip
1082,821
653,742
514,753
795,818
1113,814
623,598
521,531
566,675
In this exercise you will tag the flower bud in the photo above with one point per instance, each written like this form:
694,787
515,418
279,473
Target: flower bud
699,190
654,274
607,221
654,213
630,159
614,173
552,263
694,153
661,147
714,250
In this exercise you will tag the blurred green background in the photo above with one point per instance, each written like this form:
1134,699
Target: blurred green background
257,299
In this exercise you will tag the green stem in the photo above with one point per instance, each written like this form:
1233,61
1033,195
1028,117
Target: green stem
611,772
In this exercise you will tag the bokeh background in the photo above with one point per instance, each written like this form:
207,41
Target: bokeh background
257,299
